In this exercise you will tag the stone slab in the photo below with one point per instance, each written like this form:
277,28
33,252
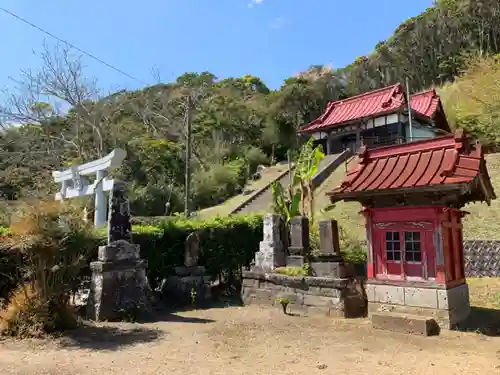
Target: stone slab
389,294
329,269
411,324
295,261
118,251
421,297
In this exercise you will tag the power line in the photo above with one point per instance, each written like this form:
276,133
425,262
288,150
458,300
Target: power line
71,45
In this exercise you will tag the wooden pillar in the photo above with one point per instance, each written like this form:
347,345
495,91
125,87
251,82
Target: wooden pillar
370,263
358,139
452,240
328,144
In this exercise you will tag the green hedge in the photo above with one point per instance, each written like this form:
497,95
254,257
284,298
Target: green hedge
227,245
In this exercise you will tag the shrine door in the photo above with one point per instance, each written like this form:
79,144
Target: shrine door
404,253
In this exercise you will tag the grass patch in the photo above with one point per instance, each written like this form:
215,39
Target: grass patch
485,292
223,209
293,271
483,222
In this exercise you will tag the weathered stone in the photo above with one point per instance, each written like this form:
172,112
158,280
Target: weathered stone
329,237
250,283
389,294
118,250
299,235
458,296
115,290
295,261
190,284
119,226
312,300
421,297
328,269
264,296
294,298
370,292
406,324
271,228
192,249
270,256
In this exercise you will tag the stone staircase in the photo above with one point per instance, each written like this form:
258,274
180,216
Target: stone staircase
262,200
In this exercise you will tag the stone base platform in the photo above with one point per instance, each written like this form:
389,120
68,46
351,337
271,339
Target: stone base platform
189,286
448,306
326,296
412,324
119,285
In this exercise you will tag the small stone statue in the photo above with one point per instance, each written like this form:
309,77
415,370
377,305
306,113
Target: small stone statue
119,227
192,249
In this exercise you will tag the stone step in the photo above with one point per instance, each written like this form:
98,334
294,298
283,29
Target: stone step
405,323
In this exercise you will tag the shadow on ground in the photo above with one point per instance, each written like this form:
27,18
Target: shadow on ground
90,336
219,303
115,336
482,320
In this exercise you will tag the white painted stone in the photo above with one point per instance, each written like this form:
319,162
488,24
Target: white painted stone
421,297
389,294
75,183
370,292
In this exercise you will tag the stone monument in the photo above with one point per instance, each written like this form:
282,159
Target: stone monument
299,241
190,284
272,253
328,261
119,283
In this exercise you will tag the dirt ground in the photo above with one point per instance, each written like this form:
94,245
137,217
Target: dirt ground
251,340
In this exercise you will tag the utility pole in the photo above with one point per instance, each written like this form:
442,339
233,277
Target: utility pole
188,156
290,178
408,98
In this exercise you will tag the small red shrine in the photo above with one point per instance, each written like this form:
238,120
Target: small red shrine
412,195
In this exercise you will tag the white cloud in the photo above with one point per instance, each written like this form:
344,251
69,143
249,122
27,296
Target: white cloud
254,3
278,23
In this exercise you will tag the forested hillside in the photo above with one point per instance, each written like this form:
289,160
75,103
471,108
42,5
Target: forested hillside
238,123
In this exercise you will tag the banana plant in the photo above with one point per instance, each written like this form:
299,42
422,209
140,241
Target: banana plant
306,168
285,202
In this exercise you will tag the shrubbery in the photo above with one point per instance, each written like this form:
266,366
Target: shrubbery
47,255
226,244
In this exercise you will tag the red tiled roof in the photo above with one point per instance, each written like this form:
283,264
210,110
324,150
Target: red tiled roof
451,159
426,102
374,103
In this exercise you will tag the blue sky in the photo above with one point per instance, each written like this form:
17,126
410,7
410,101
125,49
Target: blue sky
272,39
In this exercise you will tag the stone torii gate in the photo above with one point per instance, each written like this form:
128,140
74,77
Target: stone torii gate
75,182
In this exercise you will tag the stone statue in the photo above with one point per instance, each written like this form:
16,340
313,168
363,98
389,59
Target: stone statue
119,227
192,249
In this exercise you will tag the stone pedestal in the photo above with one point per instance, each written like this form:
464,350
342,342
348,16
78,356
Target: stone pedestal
329,262
190,285
119,283
271,252
448,306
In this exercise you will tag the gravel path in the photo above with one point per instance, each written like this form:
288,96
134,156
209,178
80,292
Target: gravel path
250,340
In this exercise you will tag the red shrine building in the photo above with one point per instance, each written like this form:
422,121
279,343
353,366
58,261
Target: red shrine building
378,118
412,196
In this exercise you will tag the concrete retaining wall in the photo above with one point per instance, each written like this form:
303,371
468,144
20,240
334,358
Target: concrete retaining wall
327,296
